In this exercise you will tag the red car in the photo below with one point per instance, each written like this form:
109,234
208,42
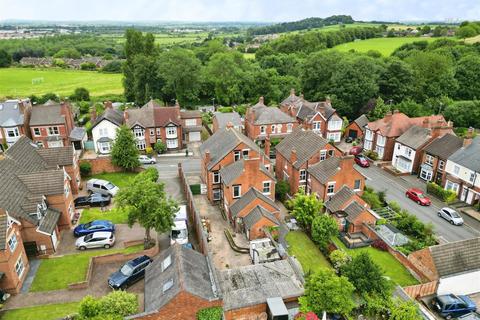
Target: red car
362,161
418,196
355,150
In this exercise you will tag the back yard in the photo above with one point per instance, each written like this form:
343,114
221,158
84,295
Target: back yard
47,312
306,252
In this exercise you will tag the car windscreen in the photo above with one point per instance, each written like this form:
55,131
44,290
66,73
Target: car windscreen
88,237
454,214
87,225
109,186
127,270
421,195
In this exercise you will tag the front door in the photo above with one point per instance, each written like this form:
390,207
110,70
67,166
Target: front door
464,195
31,248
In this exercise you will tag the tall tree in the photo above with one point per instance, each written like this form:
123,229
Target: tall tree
324,227
325,291
5,59
146,84
468,77
146,203
305,208
124,150
396,82
379,111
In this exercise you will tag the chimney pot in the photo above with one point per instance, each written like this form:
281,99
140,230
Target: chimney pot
108,104
301,96
261,100
292,92
396,111
125,115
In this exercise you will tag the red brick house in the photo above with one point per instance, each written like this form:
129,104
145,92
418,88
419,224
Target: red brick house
327,177
356,128
220,121
14,121
225,147
262,122
299,151
191,125
380,135
51,124
319,117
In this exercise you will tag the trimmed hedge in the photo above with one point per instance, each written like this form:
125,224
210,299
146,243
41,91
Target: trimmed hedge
195,188
85,169
445,195
214,313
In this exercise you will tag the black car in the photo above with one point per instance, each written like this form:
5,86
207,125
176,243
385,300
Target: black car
93,200
129,273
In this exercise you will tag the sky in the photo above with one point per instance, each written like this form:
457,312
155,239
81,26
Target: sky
237,10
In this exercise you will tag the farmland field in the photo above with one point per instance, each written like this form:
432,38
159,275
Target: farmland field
384,45
165,39
22,82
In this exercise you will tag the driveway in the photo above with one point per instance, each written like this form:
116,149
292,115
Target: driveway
395,188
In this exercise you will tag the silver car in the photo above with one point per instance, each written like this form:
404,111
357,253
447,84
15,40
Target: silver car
146,159
451,216
96,240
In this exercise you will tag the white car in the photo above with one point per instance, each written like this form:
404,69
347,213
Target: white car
96,240
102,186
451,216
147,160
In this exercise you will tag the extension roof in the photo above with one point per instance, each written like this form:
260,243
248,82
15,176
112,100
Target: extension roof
249,197
338,200
324,170
456,257
11,114
224,118
256,214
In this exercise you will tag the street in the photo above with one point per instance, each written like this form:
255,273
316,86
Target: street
395,188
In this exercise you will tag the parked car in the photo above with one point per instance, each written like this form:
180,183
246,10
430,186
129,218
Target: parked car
93,226
356,150
102,186
418,196
451,216
147,160
469,316
129,273
362,161
93,200
348,139
450,305
96,240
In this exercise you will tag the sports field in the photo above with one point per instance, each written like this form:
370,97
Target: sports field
384,45
23,82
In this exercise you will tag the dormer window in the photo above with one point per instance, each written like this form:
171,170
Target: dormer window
167,285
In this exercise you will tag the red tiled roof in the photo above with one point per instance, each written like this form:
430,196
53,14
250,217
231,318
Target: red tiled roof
166,115
397,123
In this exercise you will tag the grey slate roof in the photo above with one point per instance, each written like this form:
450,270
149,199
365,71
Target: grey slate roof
270,115
456,257
46,182
224,141
256,214
112,115
323,170
46,114
23,153
229,173
10,114
305,142
62,156
415,137
469,156
353,210
445,146
252,285
336,202
189,272
249,197
224,118
362,121
3,231
143,116
190,114
77,134
49,221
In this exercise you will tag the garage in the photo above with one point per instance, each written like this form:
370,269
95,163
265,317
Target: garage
194,136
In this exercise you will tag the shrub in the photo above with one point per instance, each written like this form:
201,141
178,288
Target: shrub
88,66
380,244
371,198
395,206
160,147
214,313
149,150
113,67
225,109
80,94
282,189
447,196
339,258
85,169
371,154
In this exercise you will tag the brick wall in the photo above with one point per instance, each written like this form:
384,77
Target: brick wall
11,282
102,164
423,261
354,127
255,312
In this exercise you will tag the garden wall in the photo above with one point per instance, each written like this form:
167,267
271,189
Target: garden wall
104,165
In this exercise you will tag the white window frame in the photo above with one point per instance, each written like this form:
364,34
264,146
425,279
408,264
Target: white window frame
359,184
172,143
139,132
19,267
53,131
141,145
217,194
12,242
367,145
456,170
330,185
67,190
272,128
245,153
302,175
429,159
14,131
289,127
471,179
171,131
267,185
152,132
37,132
104,147
317,126
323,155
441,165
190,122
279,128
103,132
159,132
239,189
216,177
263,130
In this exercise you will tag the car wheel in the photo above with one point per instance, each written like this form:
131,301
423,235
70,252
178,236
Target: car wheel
451,222
439,214
419,202
102,204
107,246
153,162
123,287
82,248
448,316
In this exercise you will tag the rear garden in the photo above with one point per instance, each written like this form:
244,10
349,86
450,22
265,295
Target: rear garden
307,253
48,312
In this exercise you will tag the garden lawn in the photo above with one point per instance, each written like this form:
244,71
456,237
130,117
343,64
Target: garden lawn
120,179
23,82
385,46
58,273
307,253
116,215
45,312
391,266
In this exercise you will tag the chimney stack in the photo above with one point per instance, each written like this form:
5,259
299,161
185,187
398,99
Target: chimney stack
396,111
261,100
93,114
125,115
207,157
229,125
108,105
426,122
388,116
328,100
267,146
293,156
292,92
468,137
301,96
346,162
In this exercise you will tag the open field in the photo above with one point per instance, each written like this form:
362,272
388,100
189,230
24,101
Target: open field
165,39
17,82
473,39
384,45
46,312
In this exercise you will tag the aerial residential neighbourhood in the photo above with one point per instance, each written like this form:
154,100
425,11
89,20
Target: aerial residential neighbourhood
240,160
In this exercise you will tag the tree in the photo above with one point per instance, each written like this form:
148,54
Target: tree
468,77
466,32
115,305
379,111
5,59
339,258
113,67
325,291
396,82
146,81
366,275
305,207
282,189
377,307
147,204
70,53
404,310
80,94
160,146
124,150
324,227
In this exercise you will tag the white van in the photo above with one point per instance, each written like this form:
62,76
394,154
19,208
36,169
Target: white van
179,233
102,186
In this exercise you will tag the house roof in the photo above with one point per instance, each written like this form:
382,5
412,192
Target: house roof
47,182
361,121
270,115
231,172
396,124
143,116
47,114
415,137
249,197
224,118
62,156
49,222
77,134
257,213
445,146
224,141
252,285
166,115
456,257
112,115
468,156
189,271
353,210
337,201
190,114
305,142
323,170
10,113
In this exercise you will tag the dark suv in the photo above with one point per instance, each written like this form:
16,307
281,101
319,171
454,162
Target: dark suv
450,305
129,273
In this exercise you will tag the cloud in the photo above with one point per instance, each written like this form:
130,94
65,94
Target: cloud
237,10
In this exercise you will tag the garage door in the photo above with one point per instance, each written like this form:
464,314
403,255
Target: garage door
194,136
353,134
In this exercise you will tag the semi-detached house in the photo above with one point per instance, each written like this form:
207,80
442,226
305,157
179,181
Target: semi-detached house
14,121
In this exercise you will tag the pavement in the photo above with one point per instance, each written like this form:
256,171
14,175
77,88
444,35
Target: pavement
395,188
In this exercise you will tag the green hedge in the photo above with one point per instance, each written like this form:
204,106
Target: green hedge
445,195
195,188
214,313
